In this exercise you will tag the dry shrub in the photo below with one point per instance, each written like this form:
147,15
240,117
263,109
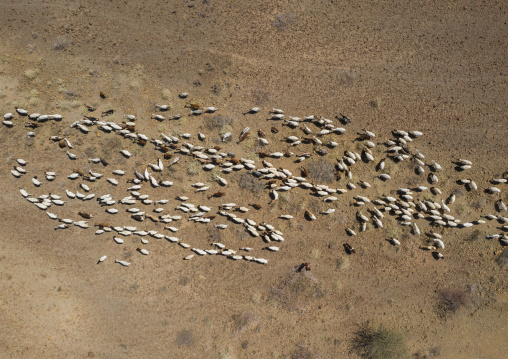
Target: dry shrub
183,280
380,343
244,321
248,182
242,234
284,202
459,192
218,121
450,300
214,235
342,263
475,235
184,337
303,352
194,168
412,181
479,204
282,21
376,102
31,73
321,171
60,43
503,259
260,97
297,291
165,93
347,78
216,88
110,145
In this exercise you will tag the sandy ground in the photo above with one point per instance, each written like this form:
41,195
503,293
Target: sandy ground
437,67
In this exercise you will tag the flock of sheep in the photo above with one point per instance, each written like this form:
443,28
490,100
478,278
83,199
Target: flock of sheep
309,137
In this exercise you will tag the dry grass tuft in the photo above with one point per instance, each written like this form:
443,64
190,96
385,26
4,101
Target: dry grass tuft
380,343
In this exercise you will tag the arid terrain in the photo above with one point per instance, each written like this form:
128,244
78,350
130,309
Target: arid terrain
437,67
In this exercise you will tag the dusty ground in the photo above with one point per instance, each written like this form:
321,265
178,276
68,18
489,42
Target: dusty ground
438,67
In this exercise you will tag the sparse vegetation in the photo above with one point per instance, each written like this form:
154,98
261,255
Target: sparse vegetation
60,43
71,93
380,343
165,93
303,352
243,321
284,202
225,353
260,97
250,142
249,183
347,78
194,168
19,103
459,192
183,280
450,300
30,74
342,263
338,285
296,291
33,101
376,102
503,259
413,181
321,171
314,253
111,145
242,234
475,235
218,122
256,298
216,88
225,129
282,21
393,231
184,337
460,209
479,203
